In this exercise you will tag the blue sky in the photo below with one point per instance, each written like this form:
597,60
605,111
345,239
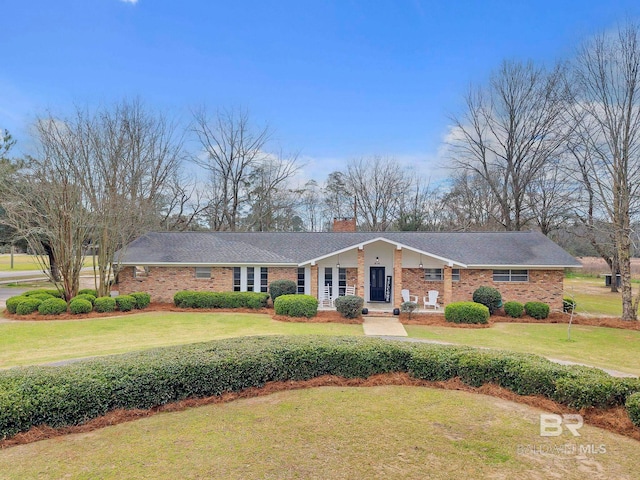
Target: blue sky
335,79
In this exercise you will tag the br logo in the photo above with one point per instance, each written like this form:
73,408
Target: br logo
551,424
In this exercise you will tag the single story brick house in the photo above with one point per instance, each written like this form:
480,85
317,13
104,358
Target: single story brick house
523,266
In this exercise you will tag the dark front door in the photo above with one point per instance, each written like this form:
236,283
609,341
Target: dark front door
376,284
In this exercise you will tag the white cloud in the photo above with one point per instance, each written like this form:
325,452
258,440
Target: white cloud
133,2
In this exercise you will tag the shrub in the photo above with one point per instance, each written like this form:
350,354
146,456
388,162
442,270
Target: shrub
41,296
104,304
52,306
466,312
85,296
189,299
79,305
28,305
142,299
408,307
88,291
125,303
349,306
568,305
48,291
514,309
12,302
537,310
633,408
488,296
296,305
282,287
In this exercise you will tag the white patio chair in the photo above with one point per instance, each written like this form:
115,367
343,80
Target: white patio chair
431,300
350,290
326,300
408,298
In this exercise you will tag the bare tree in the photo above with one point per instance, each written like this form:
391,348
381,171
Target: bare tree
231,149
510,132
607,74
421,208
339,199
378,185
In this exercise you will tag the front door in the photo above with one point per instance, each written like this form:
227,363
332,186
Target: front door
376,284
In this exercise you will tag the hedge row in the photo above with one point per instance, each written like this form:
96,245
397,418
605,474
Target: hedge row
47,304
75,393
296,305
190,299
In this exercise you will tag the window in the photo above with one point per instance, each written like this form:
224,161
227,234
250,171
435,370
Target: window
455,274
140,272
511,275
328,278
300,281
264,279
433,274
236,279
342,281
203,272
250,279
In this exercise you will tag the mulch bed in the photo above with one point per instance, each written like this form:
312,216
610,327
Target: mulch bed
614,419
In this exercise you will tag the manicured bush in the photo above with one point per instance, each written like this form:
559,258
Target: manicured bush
296,306
42,296
104,304
568,305
79,305
85,296
88,291
633,408
488,296
349,306
190,299
466,312
125,303
514,309
52,306
49,291
537,310
408,307
142,299
12,302
28,306
75,393
282,287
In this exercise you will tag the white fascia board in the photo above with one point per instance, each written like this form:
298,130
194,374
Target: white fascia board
204,264
525,267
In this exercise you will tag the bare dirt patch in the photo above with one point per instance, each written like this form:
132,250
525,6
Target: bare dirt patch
614,419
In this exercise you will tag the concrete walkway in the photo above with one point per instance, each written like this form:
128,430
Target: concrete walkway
384,326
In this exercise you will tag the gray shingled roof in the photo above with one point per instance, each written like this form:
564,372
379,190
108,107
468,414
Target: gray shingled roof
467,248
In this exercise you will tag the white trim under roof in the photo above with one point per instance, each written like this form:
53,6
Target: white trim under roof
523,267
205,264
398,245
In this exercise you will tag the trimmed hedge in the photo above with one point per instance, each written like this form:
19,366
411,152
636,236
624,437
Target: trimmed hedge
104,304
52,306
41,296
13,302
296,306
489,297
466,312
191,299
514,309
349,306
282,287
142,300
28,306
537,310
125,303
48,291
80,305
88,291
75,393
633,408
85,296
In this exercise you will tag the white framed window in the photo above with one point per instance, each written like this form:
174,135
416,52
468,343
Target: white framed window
237,279
455,274
509,275
203,272
433,274
264,279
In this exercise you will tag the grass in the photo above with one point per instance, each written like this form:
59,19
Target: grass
329,432
33,342
598,346
23,261
592,296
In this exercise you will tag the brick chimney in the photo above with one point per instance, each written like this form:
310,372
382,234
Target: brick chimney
344,224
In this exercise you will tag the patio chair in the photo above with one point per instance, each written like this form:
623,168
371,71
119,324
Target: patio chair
406,297
431,300
350,290
326,300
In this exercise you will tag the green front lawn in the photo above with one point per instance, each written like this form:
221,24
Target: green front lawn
597,346
331,432
26,343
